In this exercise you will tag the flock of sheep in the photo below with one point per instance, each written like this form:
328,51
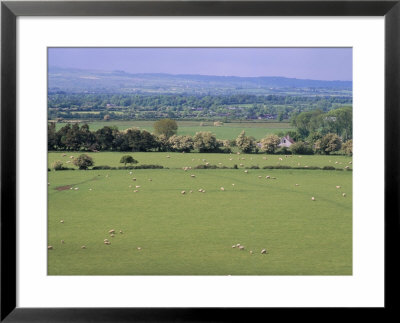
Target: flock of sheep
183,192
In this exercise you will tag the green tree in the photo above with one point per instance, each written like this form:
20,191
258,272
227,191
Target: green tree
167,127
270,143
205,142
128,160
181,143
83,161
329,143
244,143
348,147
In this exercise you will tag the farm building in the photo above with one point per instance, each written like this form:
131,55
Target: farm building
286,141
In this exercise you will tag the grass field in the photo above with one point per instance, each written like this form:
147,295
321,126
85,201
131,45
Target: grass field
180,160
227,131
193,233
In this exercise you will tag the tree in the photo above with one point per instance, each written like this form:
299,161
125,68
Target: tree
244,143
167,127
301,148
128,160
181,143
205,142
270,143
328,143
83,161
348,147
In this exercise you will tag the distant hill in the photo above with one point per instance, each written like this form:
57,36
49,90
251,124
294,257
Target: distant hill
76,80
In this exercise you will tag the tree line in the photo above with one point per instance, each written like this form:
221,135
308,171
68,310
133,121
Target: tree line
231,107
165,138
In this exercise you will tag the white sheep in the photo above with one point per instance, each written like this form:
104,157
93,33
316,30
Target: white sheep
263,251
61,221
313,198
241,248
83,247
344,194
62,241
107,242
111,231
183,192
120,231
246,171
139,248
50,247
337,186
134,179
193,176
222,189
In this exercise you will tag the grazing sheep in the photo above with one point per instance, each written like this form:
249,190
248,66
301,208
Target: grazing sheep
76,188
246,171
337,186
193,176
191,191
112,235
241,165
222,189
251,252
183,192
350,162
347,167
238,245
90,189
233,184
62,241
61,221
313,198
267,177
130,173
233,246
150,179
134,179
296,184
107,242
120,231
111,231
135,191
344,194
168,157
280,158
259,176
83,247
50,247
263,252
139,248
130,186
64,155
241,248
137,186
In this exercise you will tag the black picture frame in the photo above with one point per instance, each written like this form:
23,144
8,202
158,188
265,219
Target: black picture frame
10,10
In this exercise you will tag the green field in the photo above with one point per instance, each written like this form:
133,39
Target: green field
227,131
193,233
180,160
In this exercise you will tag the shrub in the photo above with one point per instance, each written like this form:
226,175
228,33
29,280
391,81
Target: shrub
83,161
283,151
57,165
102,167
301,148
128,160
328,168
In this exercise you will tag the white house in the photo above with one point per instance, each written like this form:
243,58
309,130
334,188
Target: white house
286,141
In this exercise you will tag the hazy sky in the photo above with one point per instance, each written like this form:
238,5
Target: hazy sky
302,63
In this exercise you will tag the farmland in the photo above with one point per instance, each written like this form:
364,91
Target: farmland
193,233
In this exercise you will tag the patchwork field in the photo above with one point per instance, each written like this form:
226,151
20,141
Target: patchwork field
193,233
227,131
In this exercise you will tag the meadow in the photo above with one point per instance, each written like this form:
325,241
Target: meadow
227,131
166,232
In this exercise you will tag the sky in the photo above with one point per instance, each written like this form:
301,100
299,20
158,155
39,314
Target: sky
301,63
